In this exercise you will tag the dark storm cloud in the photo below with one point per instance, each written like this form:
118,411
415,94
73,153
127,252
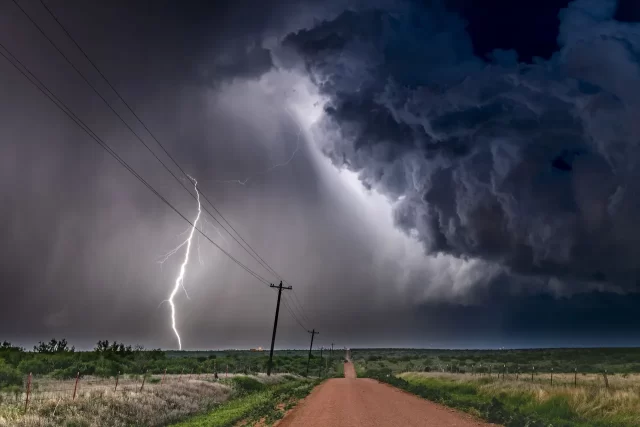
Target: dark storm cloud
81,237
523,171
530,166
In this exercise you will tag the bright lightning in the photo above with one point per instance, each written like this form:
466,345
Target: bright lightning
183,268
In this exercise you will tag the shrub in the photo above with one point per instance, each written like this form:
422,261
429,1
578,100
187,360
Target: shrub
9,376
246,385
37,366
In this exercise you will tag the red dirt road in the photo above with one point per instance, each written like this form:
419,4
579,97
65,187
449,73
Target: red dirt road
351,402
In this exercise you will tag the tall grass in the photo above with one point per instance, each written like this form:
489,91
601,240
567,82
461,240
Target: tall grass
156,405
588,404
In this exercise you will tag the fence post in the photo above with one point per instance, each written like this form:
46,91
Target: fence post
504,371
117,378
606,380
190,375
26,401
227,374
575,377
551,376
144,377
163,375
75,388
180,376
533,368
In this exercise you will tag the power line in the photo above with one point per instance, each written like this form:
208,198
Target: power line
298,310
64,108
293,314
258,259
301,307
253,253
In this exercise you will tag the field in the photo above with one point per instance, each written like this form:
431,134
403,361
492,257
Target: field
588,360
159,403
116,385
559,387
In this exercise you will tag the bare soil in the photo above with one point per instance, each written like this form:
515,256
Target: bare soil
352,402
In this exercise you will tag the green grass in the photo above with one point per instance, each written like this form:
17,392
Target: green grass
584,360
518,404
254,403
230,413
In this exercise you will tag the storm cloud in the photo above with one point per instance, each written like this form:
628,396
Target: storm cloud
417,178
532,166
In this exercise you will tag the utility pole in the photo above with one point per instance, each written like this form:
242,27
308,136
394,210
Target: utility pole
275,324
313,334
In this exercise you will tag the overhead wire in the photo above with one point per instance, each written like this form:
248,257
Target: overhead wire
249,249
300,306
296,302
258,259
293,315
64,108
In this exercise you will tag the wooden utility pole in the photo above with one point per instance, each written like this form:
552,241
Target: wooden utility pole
275,324
313,334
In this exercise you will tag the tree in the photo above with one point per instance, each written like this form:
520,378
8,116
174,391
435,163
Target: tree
113,348
54,346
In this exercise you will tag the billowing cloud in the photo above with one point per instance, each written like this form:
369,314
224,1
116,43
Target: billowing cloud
529,166
484,182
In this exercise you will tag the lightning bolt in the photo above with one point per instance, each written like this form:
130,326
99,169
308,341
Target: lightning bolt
183,268
244,182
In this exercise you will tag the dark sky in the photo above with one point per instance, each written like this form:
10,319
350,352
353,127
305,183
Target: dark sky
461,174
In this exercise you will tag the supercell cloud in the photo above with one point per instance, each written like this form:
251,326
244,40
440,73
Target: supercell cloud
532,167
443,191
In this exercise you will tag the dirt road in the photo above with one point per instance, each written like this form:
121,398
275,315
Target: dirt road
351,402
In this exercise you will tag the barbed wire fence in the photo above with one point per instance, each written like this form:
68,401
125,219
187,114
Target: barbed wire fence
529,373
43,389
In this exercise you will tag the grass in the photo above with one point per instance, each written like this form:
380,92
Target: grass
584,360
156,405
256,404
517,403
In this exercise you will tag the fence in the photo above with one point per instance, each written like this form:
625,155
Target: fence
529,374
45,389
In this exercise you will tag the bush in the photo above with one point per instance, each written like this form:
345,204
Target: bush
378,373
36,366
9,376
246,385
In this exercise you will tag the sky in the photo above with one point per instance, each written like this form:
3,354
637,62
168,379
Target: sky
428,173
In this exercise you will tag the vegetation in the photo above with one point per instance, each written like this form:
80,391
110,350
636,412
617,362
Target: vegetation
156,405
56,359
162,403
516,401
583,360
122,385
257,403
